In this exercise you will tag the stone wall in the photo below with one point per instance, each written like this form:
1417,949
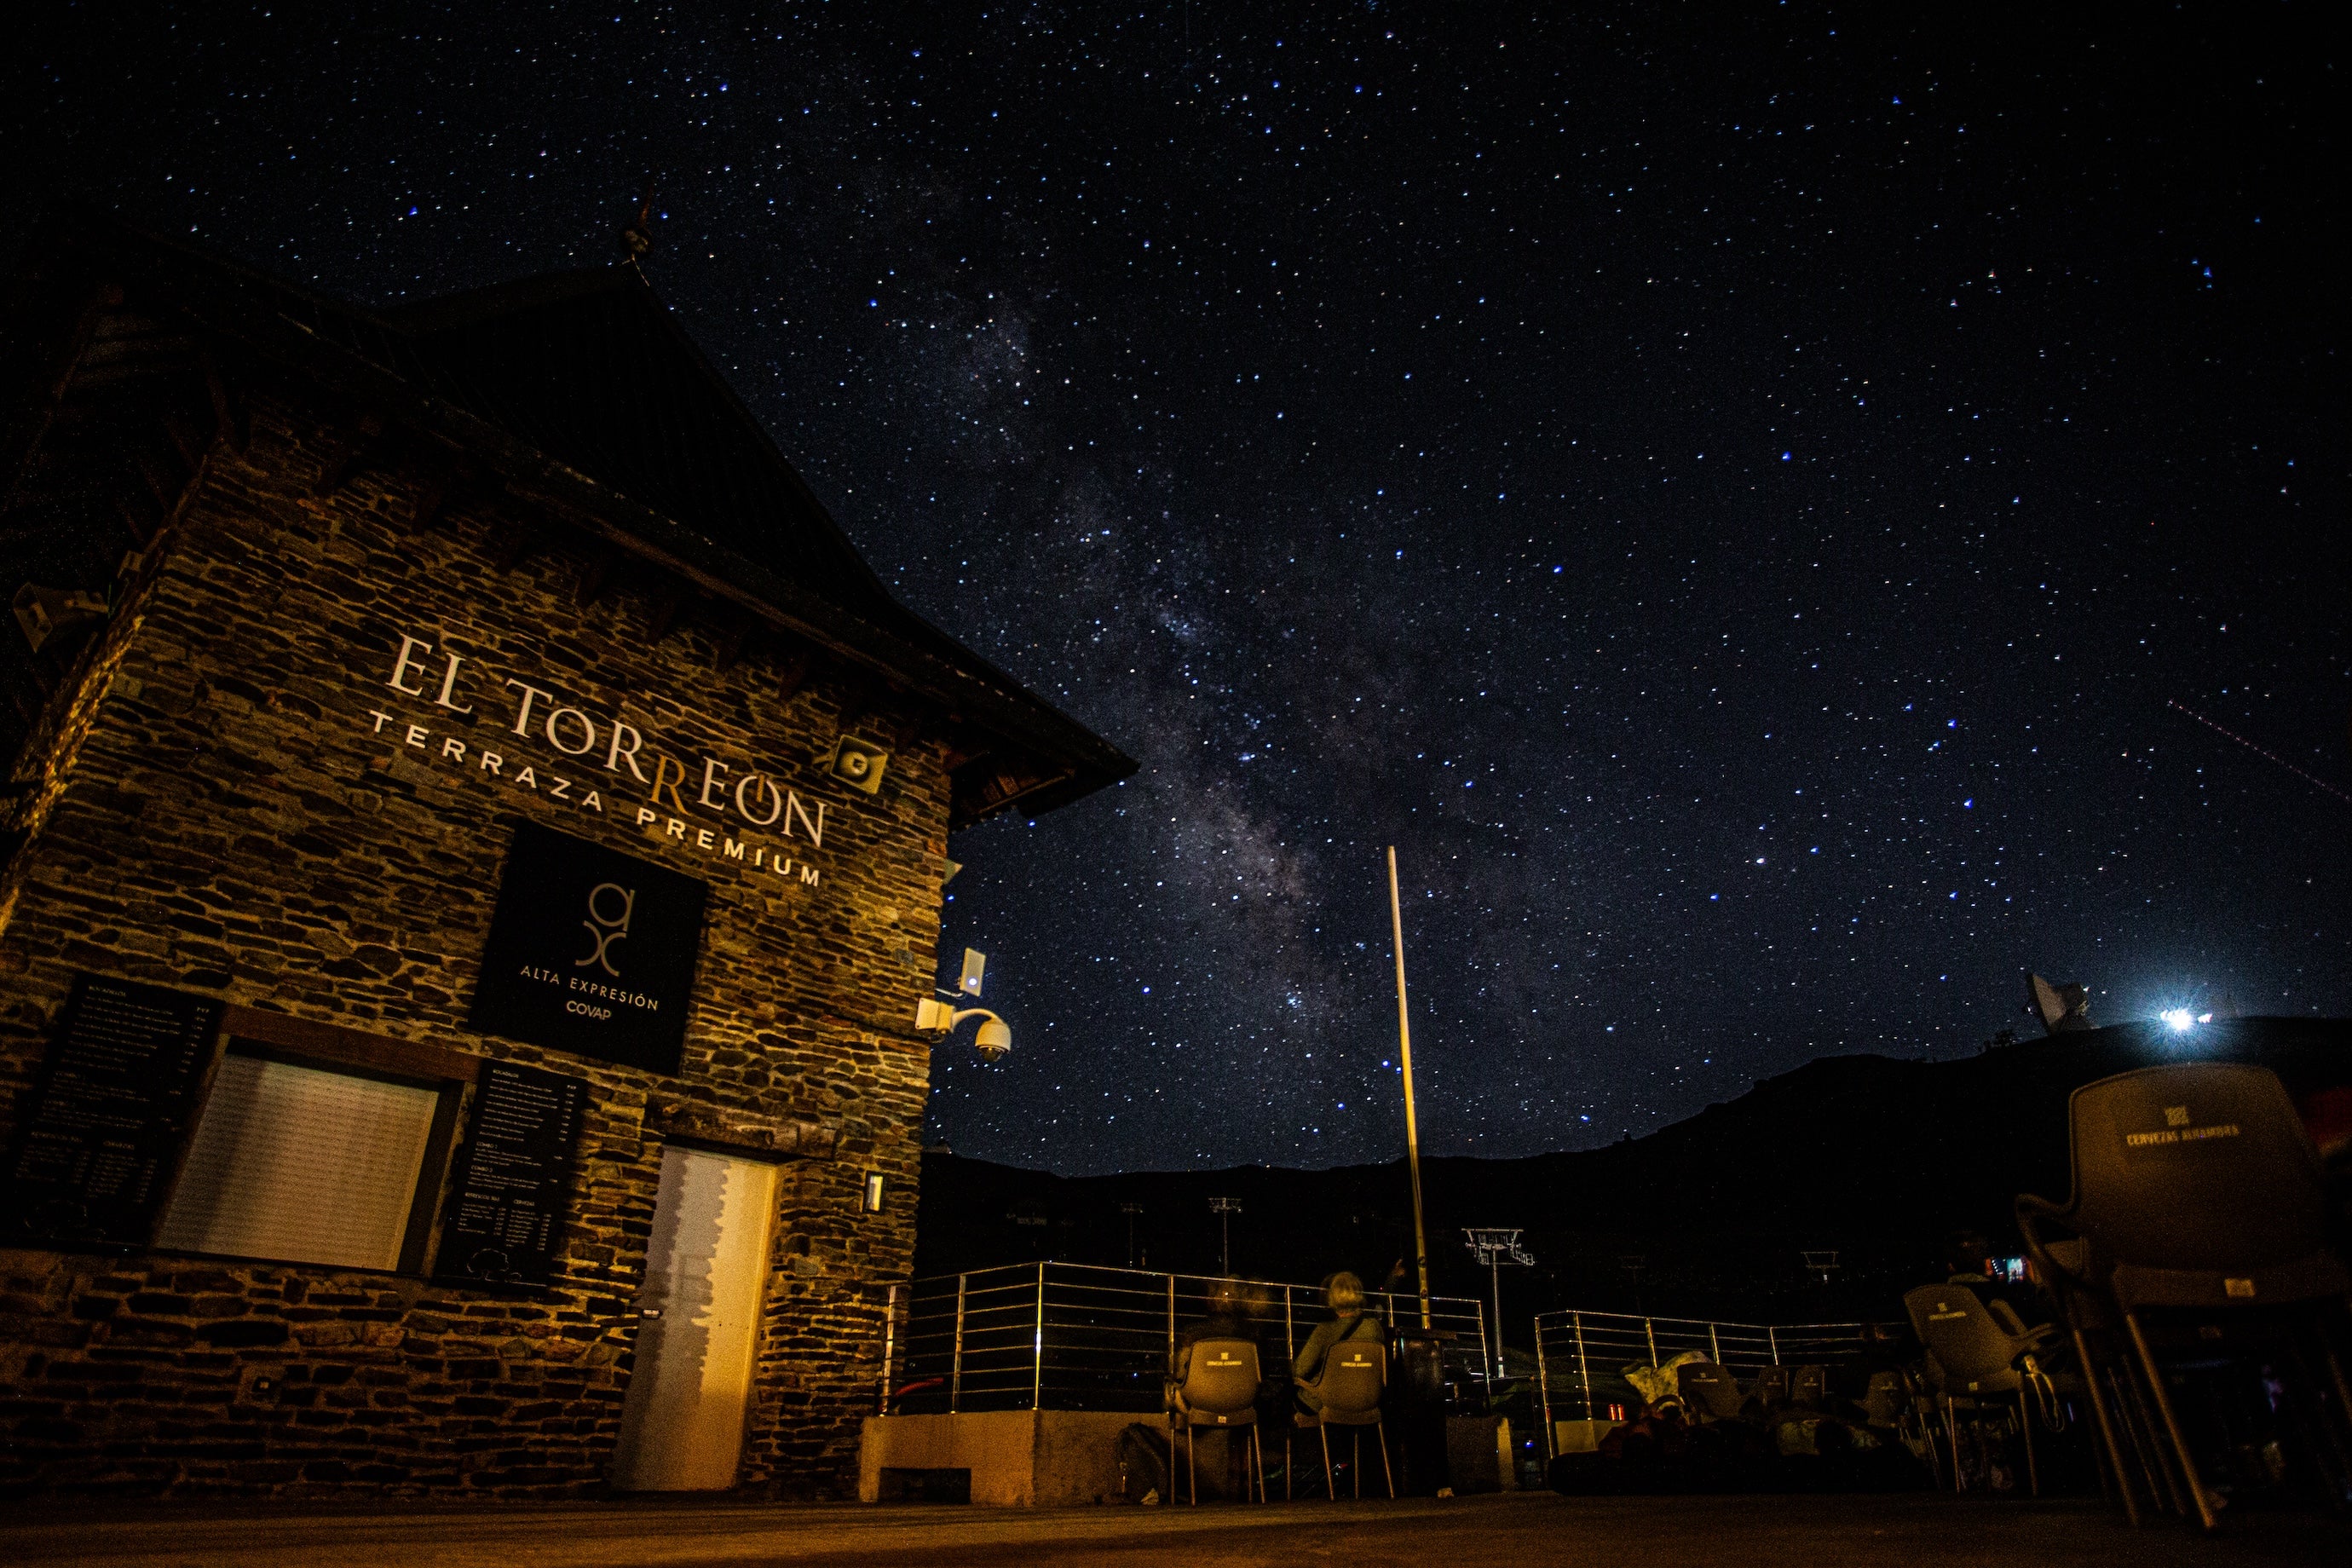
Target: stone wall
237,803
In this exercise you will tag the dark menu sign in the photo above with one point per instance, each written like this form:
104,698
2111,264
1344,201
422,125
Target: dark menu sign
96,1147
507,1208
591,951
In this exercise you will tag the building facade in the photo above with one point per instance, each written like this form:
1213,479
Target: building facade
474,853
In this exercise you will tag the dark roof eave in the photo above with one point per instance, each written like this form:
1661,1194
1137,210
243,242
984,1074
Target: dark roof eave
982,695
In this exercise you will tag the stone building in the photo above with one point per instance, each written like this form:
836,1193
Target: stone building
472,858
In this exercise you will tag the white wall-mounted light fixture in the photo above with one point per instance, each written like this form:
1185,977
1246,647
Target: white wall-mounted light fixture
871,1202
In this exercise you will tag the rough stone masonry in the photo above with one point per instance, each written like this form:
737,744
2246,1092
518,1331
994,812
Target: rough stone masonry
345,655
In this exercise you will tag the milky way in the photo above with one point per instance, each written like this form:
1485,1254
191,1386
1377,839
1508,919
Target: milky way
1730,496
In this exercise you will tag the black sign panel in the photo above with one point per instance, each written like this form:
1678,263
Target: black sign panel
507,1208
107,1116
591,951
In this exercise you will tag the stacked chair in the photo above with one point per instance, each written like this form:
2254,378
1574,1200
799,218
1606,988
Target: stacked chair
2198,1196
1219,1389
1355,1376
1973,1350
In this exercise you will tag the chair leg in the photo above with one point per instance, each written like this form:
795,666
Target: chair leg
1952,1436
1191,1467
2106,1427
2139,1424
1257,1461
2335,1373
2196,1485
1381,1436
1330,1487
2025,1426
1290,1461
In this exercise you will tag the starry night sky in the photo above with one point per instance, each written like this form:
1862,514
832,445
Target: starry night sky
1730,495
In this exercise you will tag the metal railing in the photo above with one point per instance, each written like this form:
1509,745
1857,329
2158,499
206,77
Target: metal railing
1581,1357
1070,1336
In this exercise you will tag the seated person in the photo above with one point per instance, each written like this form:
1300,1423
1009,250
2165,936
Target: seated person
1344,1294
1227,1319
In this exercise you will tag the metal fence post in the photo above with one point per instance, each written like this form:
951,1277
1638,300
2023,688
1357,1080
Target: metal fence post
1543,1391
1714,1346
1037,1375
1486,1353
955,1378
1584,1373
1650,1329
1289,1327
1772,1340
1171,1323
889,1343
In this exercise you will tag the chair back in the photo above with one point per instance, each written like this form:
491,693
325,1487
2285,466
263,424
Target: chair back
1771,1385
2200,1166
1808,1386
1967,1342
1708,1390
1355,1374
1221,1379
1883,1402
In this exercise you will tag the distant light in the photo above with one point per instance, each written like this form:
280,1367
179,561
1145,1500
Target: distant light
2204,1018
2179,1018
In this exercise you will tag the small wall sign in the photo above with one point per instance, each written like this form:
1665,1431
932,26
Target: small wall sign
591,951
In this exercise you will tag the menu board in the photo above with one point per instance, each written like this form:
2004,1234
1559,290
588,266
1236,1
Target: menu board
96,1148
508,1205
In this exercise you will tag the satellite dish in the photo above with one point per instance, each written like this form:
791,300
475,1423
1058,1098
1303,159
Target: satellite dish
2060,1007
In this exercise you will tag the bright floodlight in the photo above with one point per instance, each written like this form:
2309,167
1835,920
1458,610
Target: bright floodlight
2178,1017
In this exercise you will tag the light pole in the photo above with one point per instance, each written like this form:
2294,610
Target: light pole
1494,1249
1130,1211
1404,1064
1225,1209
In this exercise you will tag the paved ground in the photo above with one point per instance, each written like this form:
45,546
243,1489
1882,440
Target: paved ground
1521,1531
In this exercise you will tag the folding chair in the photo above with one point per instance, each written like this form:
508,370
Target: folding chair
1219,1389
1355,1376
2195,1186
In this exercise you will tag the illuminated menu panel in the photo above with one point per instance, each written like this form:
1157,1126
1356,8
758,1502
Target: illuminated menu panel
301,1165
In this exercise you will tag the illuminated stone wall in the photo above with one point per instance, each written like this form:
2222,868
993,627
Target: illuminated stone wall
238,799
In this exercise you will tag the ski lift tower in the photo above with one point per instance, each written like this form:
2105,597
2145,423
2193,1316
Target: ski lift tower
1494,1249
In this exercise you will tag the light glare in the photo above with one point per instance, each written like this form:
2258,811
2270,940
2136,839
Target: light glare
2178,1017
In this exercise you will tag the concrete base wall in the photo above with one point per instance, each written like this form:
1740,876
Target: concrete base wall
1578,1437
1017,1458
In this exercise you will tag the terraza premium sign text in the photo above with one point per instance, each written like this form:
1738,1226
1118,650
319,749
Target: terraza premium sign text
591,951
723,811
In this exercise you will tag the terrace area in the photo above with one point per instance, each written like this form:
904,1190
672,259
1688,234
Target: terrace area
1521,1528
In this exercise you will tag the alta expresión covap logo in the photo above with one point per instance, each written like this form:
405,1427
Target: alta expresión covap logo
604,929
591,951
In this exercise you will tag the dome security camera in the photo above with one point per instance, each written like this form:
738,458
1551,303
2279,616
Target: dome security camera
995,1040
995,1037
